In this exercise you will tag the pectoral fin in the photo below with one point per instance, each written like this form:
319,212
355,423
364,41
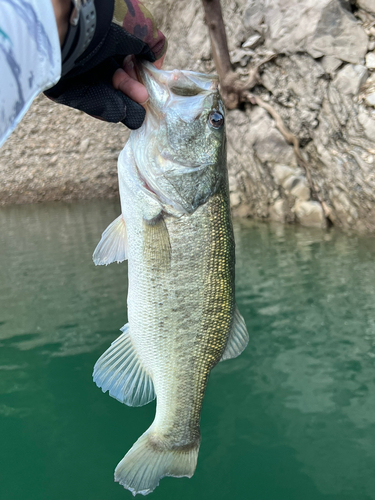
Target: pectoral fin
238,337
157,246
120,371
113,246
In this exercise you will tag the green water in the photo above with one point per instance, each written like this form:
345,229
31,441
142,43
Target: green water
292,419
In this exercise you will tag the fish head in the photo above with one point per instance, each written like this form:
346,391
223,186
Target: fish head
180,149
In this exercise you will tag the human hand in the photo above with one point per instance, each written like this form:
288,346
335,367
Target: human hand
103,82
126,80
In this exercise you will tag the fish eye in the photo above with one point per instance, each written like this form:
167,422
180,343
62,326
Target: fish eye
216,119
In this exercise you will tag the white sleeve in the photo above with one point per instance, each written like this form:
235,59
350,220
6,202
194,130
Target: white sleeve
30,57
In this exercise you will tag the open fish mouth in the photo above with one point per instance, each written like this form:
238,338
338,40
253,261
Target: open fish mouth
162,85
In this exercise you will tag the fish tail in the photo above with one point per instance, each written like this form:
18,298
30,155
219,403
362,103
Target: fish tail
150,459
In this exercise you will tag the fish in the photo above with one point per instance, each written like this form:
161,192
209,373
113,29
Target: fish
176,232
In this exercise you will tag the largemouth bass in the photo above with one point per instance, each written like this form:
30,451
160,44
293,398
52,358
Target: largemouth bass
175,230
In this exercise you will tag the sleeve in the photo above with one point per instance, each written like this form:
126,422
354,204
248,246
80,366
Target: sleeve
30,57
133,16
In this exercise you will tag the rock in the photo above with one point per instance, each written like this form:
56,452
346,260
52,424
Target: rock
368,5
240,56
330,64
252,42
319,27
350,78
370,99
310,213
338,34
84,146
267,142
282,172
278,211
368,125
370,60
301,190
253,16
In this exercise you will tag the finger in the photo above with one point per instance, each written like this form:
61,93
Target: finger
159,63
129,86
128,67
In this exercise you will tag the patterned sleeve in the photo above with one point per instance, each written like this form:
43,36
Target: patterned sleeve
138,21
30,57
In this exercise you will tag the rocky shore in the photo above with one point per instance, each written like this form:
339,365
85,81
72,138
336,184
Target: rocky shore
318,86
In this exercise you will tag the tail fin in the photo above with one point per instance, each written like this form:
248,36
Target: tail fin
150,459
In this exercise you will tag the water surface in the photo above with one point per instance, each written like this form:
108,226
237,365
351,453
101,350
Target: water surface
293,418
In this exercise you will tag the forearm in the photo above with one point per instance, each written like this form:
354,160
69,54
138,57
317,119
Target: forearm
30,59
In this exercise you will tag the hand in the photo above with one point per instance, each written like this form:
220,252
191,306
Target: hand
103,82
125,79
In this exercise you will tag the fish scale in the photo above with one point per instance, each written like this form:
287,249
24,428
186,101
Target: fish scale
176,232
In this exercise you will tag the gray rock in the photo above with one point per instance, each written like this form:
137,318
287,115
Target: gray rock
370,60
301,190
338,34
368,5
278,210
282,172
319,27
310,213
370,99
253,16
350,78
252,42
331,64
368,125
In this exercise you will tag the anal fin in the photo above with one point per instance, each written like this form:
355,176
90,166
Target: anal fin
238,337
113,246
120,371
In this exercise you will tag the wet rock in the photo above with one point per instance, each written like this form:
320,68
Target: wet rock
310,213
350,78
278,210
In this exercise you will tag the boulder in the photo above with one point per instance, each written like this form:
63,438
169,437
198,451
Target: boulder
350,78
368,5
319,27
310,213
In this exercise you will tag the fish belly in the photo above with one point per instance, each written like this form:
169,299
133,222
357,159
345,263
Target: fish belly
180,314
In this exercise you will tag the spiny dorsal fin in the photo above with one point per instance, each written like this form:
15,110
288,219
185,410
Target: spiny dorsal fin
120,371
157,246
113,246
238,337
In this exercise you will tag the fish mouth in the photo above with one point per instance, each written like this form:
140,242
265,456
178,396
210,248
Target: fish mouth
161,83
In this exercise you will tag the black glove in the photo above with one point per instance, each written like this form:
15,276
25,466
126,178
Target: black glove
88,86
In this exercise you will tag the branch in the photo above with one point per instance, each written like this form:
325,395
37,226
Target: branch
214,20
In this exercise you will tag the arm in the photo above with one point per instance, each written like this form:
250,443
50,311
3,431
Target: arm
30,57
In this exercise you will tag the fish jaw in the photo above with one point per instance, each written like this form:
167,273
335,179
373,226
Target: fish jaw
179,154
